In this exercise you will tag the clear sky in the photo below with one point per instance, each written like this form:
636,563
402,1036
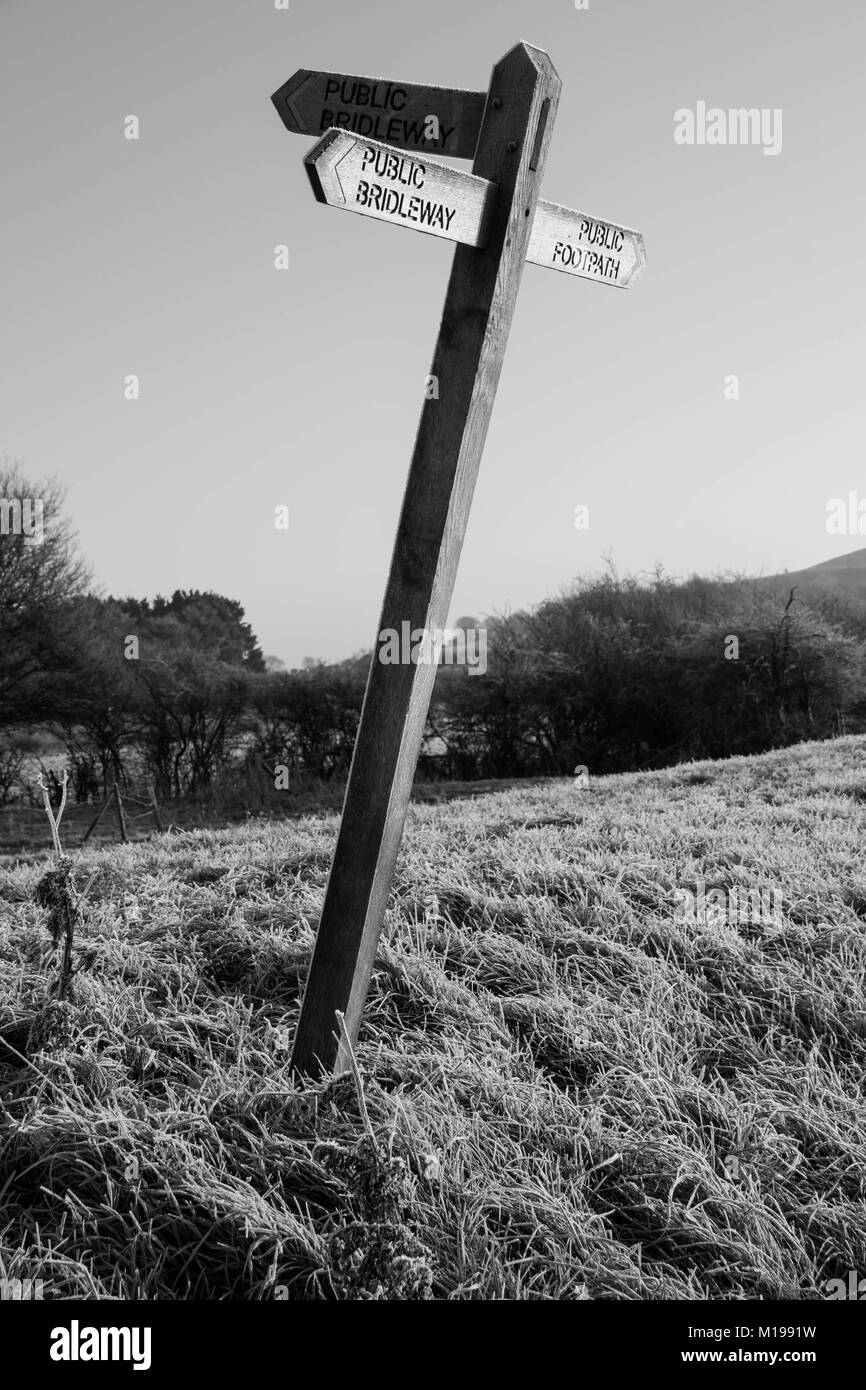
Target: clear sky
303,386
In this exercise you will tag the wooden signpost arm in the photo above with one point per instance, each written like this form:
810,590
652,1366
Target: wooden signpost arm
512,147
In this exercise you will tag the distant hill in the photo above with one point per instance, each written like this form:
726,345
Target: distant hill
842,572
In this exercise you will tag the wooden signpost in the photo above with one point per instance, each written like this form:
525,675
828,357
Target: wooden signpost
498,222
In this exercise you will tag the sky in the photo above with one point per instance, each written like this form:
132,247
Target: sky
302,387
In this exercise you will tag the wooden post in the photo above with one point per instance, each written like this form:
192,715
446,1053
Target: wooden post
97,818
511,151
121,818
156,812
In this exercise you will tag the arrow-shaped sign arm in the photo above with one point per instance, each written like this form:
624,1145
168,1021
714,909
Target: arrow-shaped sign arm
563,239
387,183
411,115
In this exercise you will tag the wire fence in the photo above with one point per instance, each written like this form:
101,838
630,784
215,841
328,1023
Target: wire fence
26,828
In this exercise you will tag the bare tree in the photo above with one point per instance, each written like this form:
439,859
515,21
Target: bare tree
40,572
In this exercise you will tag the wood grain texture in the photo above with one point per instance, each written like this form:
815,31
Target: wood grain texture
309,103
476,319
392,185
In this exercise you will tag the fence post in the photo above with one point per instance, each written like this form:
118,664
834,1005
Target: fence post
121,818
96,819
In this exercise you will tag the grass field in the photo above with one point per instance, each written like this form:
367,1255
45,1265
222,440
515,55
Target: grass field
572,1086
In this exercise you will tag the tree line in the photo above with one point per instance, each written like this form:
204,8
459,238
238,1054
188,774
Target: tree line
615,673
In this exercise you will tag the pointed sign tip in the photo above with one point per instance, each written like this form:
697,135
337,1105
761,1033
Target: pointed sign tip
284,101
313,159
331,134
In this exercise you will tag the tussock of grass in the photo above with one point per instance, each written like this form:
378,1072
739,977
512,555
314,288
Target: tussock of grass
573,1088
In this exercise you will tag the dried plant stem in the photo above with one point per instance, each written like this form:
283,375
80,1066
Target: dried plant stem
54,821
57,892
359,1085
